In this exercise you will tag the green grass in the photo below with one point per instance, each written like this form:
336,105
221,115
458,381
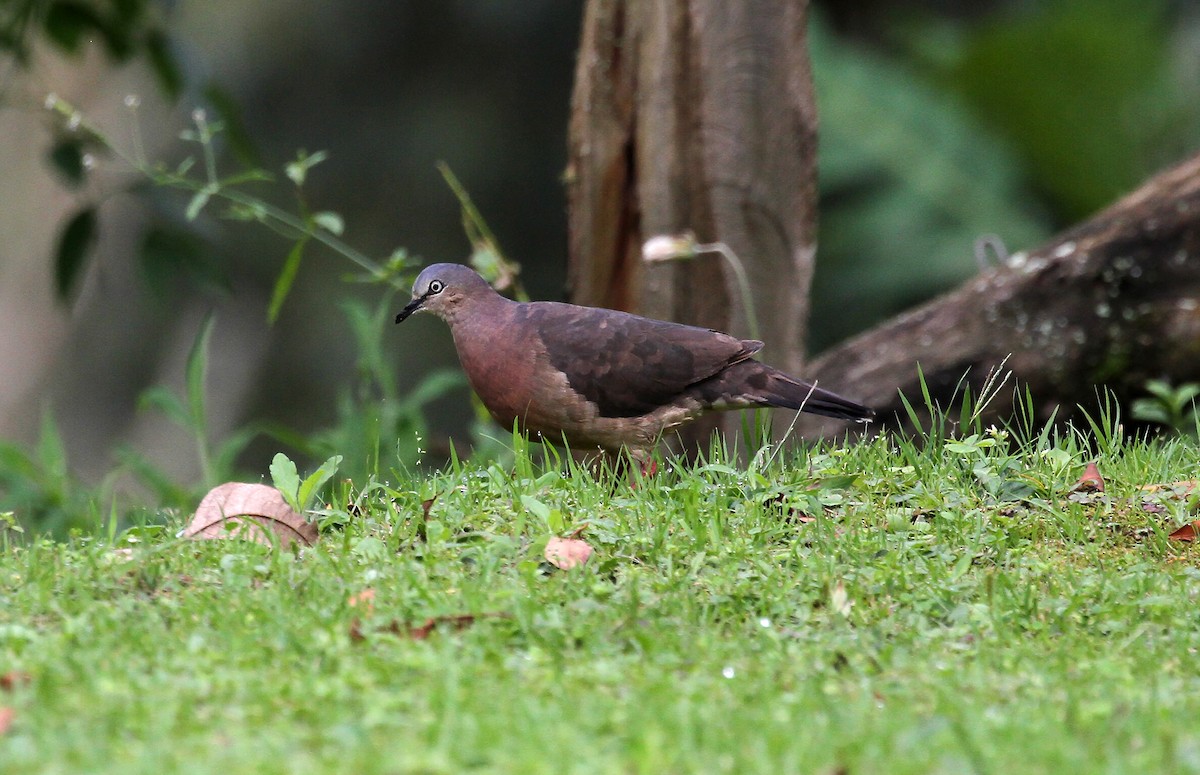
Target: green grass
947,609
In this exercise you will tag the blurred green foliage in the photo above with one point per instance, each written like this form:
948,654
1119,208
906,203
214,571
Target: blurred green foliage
127,29
1084,90
1171,406
1015,125
908,180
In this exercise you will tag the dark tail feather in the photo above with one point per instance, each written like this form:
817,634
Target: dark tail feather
751,383
789,393
830,405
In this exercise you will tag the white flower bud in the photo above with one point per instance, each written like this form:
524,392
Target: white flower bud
668,247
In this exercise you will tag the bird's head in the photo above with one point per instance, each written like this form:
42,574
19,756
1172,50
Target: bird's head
444,289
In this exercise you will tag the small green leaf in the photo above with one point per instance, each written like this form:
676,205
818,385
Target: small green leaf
199,199
249,212
539,509
330,222
161,398
197,373
247,176
311,485
287,276
370,548
297,171
435,532
73,245
286,479
961,566
15,461
67,159
51,453
839,482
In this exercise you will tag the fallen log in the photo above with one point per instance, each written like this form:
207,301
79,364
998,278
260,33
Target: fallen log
1106,305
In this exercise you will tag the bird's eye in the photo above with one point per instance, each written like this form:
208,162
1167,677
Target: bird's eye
436,286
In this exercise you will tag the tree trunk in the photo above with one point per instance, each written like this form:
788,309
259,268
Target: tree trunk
1110,303
696,116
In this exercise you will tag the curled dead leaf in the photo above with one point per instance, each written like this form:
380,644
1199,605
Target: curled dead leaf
256,512
456,621
422,526
425,629
566,553
364,599
1091,481
1164,498
1176,488
1186,533
14,678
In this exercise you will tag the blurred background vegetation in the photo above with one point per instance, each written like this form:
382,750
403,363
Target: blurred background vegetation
941,121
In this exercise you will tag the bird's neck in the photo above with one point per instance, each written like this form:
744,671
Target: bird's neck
476,312
482,323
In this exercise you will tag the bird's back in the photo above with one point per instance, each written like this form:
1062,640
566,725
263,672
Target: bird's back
626,364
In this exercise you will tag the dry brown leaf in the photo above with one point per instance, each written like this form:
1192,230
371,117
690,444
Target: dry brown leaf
1091,481
6,718
1176,488
365,600
646,470
1159,496
457,621
14,678
422,526
255,512
1186,533
423,630
566,553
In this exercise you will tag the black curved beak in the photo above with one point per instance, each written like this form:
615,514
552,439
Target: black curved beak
410,308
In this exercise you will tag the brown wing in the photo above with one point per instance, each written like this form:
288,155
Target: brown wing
629,365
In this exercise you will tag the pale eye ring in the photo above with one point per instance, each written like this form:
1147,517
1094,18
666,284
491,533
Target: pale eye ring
436,286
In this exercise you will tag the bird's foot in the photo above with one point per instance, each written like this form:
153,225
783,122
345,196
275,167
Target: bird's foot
645,470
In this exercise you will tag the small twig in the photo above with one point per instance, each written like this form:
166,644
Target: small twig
993,241
684,247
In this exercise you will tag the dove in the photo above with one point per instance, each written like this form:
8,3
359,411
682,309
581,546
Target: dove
598,378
